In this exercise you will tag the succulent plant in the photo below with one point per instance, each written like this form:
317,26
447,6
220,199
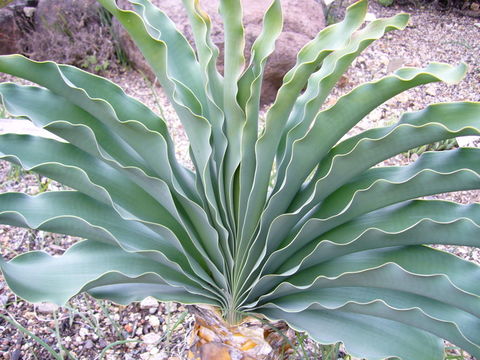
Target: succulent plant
333,245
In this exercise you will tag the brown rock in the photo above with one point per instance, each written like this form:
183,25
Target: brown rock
70,32
59,14
302,21
9,32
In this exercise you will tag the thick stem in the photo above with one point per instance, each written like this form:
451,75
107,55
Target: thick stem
231,315
247,339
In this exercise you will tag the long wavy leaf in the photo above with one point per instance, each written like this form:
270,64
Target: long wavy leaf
36,276
392,339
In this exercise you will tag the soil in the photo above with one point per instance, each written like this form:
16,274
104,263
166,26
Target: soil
160,330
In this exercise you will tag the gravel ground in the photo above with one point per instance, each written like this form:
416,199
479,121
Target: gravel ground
88,326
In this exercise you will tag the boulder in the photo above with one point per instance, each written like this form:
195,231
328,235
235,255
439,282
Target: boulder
302,21
71,32
64,15
9,32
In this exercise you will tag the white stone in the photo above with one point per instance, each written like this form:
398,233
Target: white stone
148,303
46,308
83,332
156,356
131,345
151,338
369,17
154,321
394,64
29,11
159,356
468,141
431,91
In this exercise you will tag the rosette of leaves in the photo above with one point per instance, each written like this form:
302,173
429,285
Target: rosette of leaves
335,247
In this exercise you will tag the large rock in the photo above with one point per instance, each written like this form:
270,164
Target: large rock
64,15
71,32
9,32
302,21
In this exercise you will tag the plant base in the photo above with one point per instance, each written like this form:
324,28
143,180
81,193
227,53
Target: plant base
214,339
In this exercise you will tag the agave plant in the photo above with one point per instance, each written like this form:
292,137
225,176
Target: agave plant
333,245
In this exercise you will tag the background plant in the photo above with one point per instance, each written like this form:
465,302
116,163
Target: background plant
334,246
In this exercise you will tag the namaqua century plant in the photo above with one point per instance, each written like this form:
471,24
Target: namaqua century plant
334,247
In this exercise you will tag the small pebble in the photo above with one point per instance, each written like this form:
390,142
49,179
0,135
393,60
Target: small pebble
88,344
149,356
83,332
46,308
370,17
131,345
159,356
29,11
154,321
148,302
151,338
431,91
